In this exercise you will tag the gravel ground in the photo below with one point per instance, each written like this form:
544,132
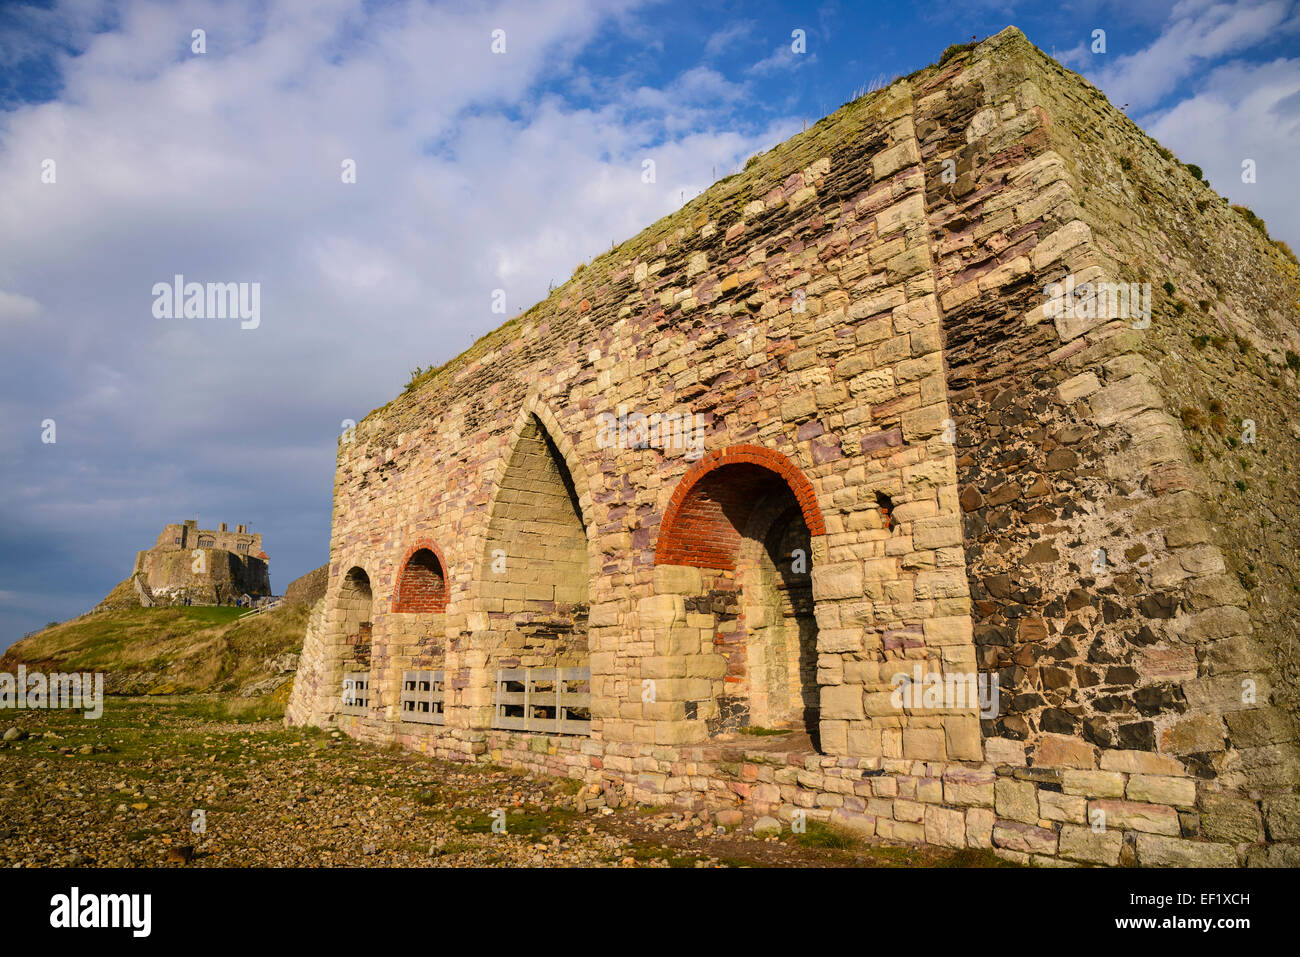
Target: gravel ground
123,791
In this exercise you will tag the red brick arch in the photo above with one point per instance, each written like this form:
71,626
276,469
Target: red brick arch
417,590
687,538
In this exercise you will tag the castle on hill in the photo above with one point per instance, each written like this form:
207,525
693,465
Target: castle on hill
192,565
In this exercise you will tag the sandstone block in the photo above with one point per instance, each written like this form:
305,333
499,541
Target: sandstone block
1133,816
1016,800
944,827
1093,847
1162,789
1156,851
1024,838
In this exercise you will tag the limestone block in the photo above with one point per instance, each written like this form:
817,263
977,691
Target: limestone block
968,787
1062,807
962,737
1230,820
1282,817
840,580
1058,243
890,161
924,744
1006,751
1062,751
842,701
1141,762
677,580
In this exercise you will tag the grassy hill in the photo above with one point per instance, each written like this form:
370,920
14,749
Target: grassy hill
172,650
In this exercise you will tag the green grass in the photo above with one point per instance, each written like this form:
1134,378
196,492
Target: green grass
825,837
187,649
761,732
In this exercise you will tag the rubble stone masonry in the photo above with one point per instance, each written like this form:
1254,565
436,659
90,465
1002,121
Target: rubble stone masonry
910,466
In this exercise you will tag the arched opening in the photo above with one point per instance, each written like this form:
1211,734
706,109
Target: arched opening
533,583
746,518
421,584
353,610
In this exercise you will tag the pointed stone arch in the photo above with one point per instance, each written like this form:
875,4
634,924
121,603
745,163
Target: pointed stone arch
535,406
532,575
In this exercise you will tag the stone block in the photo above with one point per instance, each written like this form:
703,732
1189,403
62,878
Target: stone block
1016,800
1162,789
1092,847
1156,851
1025,838
1230,820
944,827
1134,816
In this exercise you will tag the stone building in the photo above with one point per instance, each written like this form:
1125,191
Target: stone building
972,517
202,566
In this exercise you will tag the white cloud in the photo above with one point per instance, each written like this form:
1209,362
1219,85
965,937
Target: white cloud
1244,111
226,167
721,41
1198,33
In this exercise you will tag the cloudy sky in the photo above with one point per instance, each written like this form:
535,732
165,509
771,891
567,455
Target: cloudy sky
475,171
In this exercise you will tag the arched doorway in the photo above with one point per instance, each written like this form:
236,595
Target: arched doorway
746,518
352,628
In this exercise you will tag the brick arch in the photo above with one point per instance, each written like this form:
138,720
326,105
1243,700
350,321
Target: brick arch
678,543
421,587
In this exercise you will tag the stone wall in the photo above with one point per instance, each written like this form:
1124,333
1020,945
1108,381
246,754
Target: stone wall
908,468
309,588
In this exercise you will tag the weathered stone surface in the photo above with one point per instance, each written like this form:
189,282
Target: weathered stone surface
1134,816
944,827
1094,847
1025,838
1016,800
1160,789
1156,851
1230,820
1282,817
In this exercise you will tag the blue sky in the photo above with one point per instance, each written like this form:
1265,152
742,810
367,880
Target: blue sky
475,172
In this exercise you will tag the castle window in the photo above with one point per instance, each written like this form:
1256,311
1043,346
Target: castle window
206,543
176,541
